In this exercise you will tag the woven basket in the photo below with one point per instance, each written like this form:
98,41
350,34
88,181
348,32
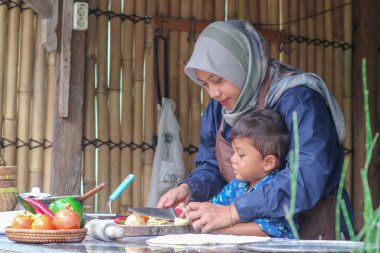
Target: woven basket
8,199
45,236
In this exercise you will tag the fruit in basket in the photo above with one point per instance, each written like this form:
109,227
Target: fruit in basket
61,204
23,220
67,218
42,222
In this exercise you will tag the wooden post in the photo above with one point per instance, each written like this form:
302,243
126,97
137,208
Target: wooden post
366,41
67,132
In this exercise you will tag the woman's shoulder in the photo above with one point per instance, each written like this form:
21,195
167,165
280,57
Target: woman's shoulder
300,95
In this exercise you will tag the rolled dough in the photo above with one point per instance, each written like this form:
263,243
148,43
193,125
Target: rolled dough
203,239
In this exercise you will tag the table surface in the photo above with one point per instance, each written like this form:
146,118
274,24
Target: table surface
126,244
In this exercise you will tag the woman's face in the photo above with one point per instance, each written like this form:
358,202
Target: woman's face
247,162
225,92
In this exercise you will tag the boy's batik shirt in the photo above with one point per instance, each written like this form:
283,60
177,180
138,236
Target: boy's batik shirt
277,227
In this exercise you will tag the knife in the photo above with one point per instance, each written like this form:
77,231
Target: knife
167,214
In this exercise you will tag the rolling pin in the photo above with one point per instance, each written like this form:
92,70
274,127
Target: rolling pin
104,230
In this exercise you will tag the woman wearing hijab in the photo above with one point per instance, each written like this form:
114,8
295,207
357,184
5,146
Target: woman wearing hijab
231,63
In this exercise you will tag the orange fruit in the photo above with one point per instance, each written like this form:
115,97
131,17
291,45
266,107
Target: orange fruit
42,222
22,220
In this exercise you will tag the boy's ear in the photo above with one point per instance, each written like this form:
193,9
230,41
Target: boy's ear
270,163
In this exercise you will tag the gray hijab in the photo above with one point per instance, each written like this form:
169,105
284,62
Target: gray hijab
234,51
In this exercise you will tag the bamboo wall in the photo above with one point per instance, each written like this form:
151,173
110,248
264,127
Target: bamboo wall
120,98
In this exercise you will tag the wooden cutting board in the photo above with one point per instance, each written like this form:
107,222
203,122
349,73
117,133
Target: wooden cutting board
156,230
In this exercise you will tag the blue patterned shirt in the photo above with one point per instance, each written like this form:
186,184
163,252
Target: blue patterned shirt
275,227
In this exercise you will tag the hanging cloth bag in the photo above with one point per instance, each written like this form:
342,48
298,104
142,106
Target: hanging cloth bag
168,169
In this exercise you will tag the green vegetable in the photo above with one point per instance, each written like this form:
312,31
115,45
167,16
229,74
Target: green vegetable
61,203
28,207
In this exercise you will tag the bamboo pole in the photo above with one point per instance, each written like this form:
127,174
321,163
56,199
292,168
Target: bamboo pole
38,110
319,33
150,102
231,9
220,7
25,95
242,11
195,101
284,19
274,18
127,100
293,29
263,14
173,54
89,177
137,190
254,12
3,44
329,51
338,53
311,34
302,48
184,88
10,108
114,100
163,11
208,15
50,89
347,90
102,108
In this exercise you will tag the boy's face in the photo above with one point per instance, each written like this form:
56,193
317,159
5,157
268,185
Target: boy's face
248,163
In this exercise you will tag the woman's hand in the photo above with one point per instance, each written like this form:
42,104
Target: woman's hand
206,217
176,197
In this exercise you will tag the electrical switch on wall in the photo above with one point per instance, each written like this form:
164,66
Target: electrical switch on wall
80,17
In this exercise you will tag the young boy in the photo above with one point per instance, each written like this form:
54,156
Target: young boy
260,141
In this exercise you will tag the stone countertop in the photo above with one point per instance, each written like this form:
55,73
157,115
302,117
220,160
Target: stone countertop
126,244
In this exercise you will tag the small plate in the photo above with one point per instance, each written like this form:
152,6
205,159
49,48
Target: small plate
45,236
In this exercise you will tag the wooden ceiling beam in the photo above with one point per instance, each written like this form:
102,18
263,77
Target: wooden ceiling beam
44,8
48,10
193,26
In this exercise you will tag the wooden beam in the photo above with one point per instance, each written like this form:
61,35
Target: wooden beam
65,58
49,29
366,42
44,8
48,10
193,26
67,132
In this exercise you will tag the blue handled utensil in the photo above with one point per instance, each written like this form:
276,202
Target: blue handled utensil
127,181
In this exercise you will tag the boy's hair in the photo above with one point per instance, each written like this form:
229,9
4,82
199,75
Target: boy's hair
267,132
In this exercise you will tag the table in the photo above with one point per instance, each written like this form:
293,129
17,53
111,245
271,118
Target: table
126,244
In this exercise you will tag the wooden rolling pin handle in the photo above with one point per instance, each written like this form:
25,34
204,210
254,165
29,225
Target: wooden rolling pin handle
92,192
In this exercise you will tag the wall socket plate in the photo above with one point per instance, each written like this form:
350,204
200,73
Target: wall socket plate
80,17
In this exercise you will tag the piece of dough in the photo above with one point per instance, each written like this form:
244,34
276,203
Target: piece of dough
134,220
204,239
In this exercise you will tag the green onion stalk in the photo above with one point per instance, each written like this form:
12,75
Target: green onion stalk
294,163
